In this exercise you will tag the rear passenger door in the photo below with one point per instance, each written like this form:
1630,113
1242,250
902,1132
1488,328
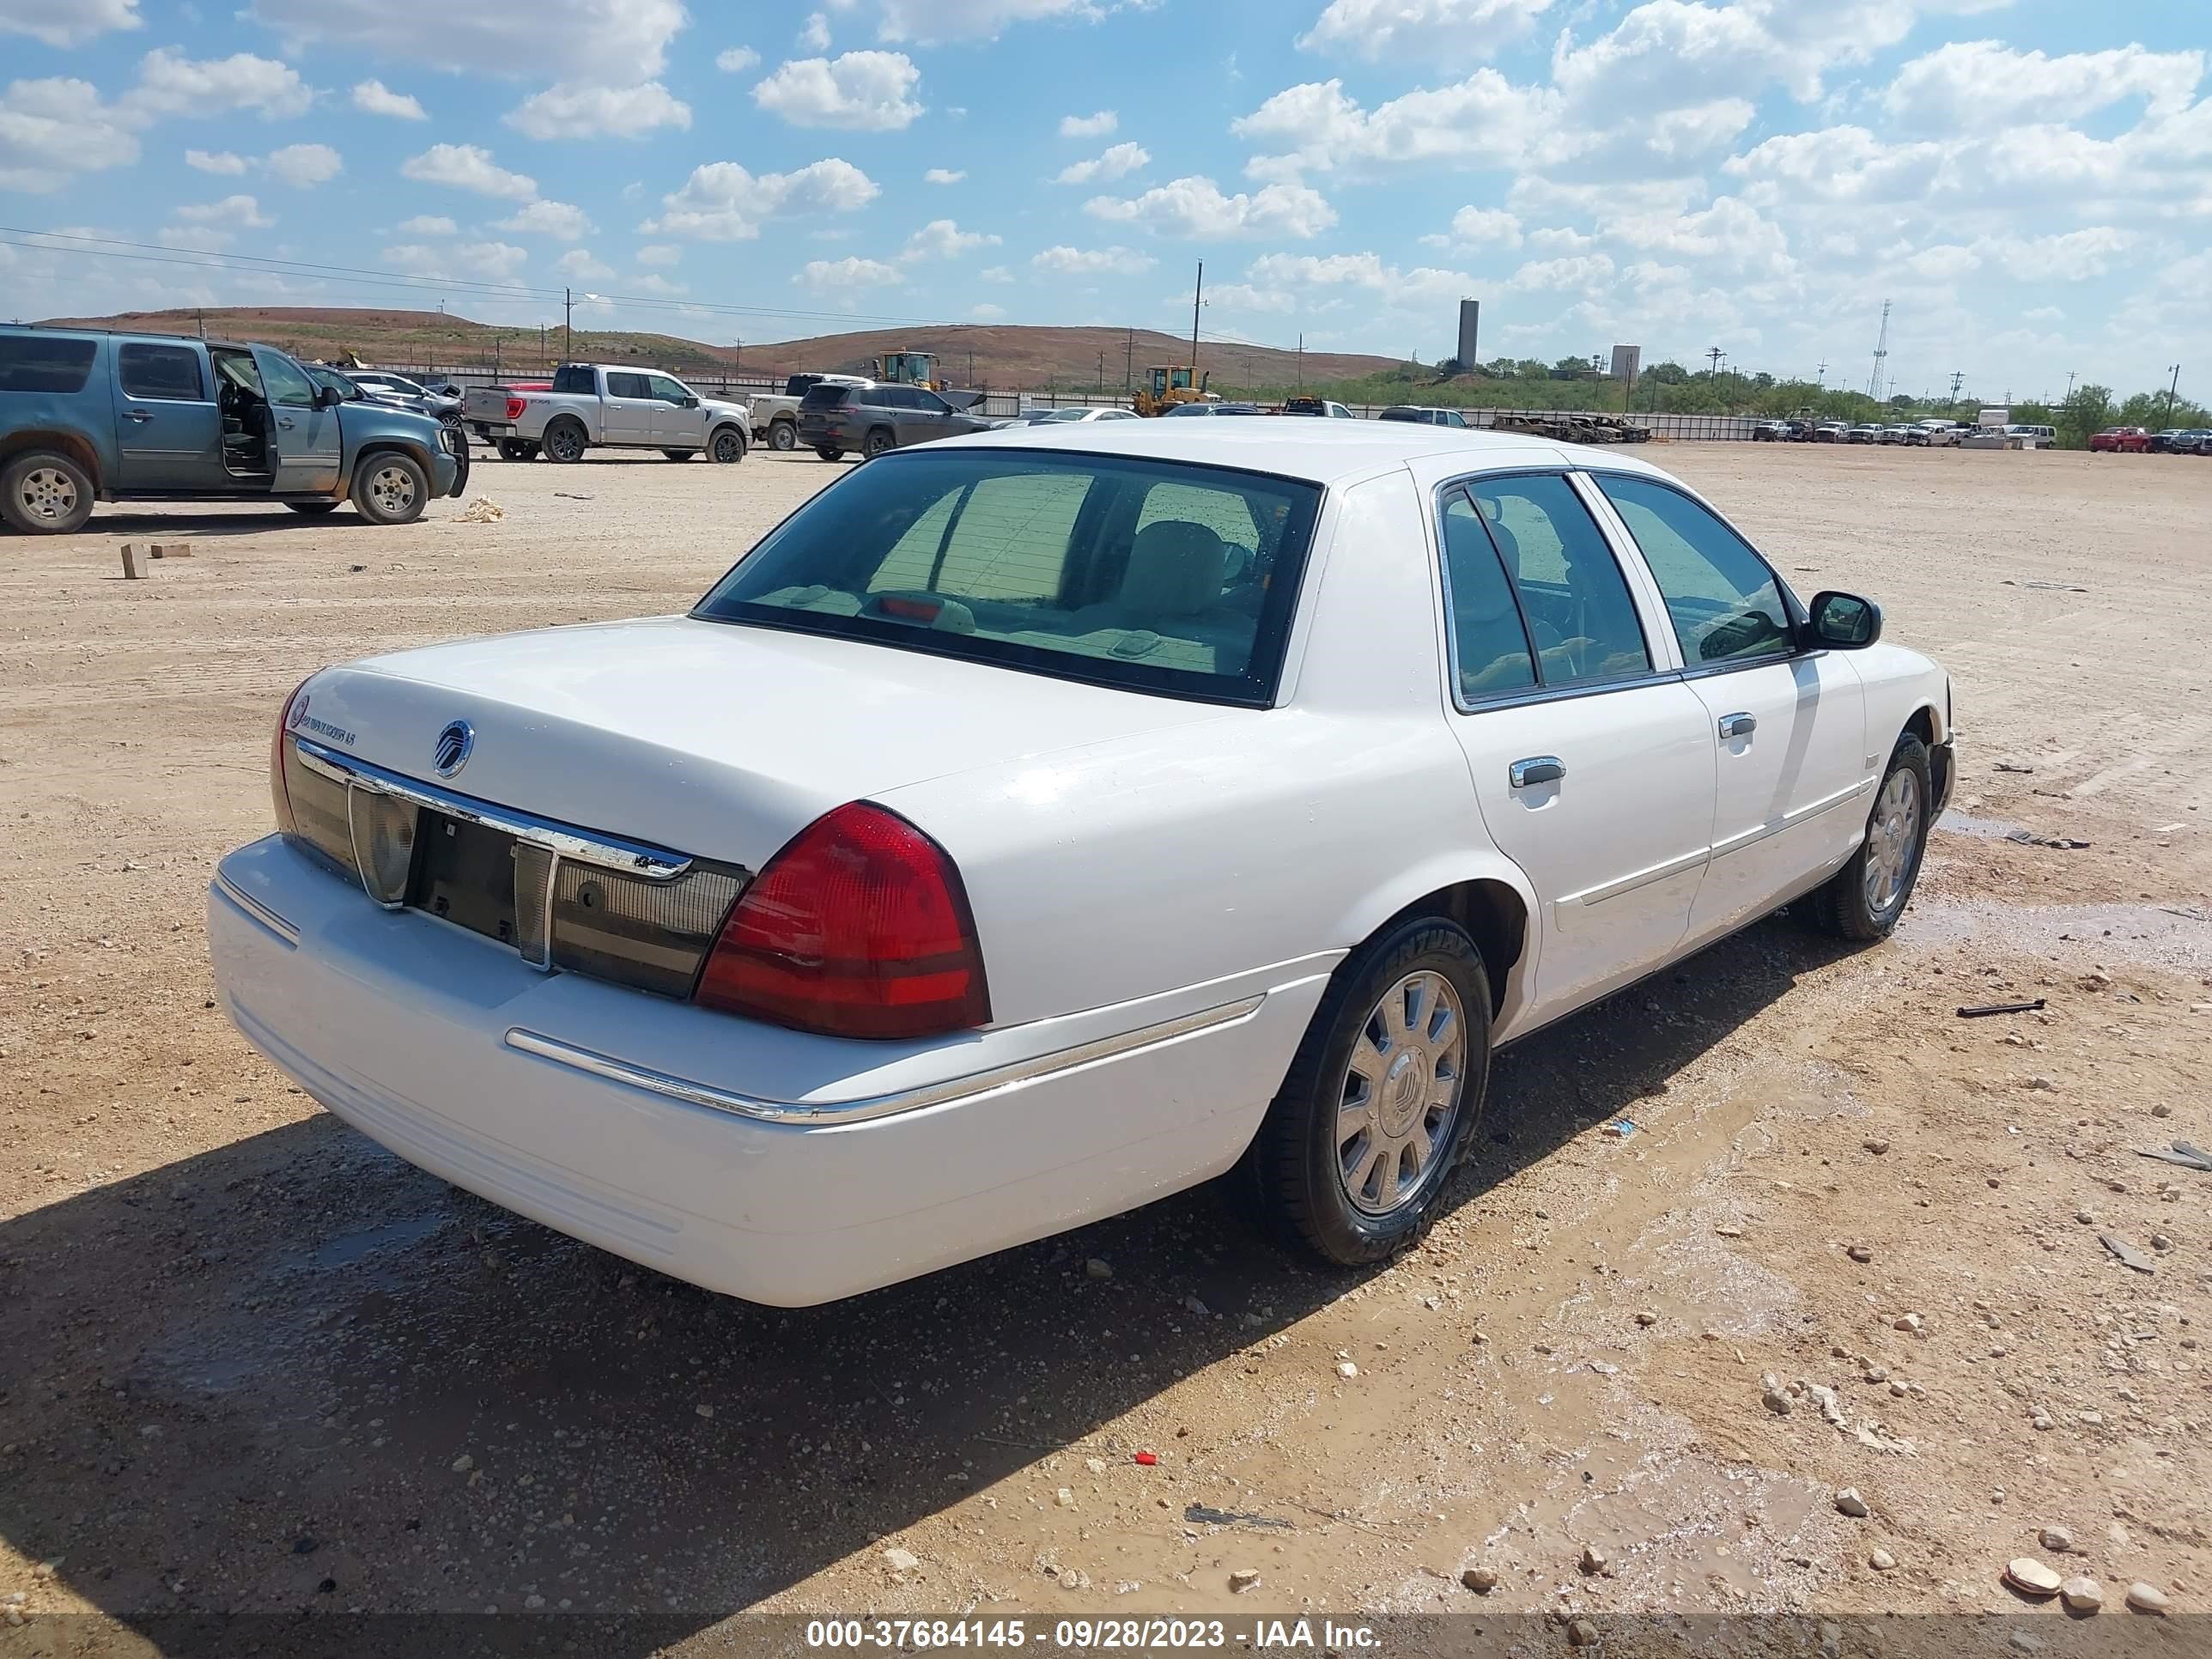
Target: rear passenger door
1592,762
628,408
1787,727
167,427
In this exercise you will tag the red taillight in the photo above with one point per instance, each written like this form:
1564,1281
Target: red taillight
515,406
859,927
279,797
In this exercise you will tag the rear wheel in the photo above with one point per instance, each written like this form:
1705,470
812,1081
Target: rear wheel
1381,1099
879,442
44,494
1863,900
391,489
727,445
783,435
565,441
515,449
829,451
680,454
312,510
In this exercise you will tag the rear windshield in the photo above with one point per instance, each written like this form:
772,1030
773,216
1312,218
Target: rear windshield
1402,414
826,397
42,363
1143,574
574,377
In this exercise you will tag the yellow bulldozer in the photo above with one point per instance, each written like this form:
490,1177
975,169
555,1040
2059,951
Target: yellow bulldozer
918,368
1171,384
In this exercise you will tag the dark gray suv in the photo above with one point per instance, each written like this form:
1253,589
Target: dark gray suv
875,417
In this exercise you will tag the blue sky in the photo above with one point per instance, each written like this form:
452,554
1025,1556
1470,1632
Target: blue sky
2028,181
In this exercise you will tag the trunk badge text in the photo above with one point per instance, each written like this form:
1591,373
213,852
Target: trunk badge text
454,743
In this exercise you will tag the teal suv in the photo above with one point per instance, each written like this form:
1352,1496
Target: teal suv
87,415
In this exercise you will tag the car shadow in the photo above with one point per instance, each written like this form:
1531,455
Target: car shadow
294,1376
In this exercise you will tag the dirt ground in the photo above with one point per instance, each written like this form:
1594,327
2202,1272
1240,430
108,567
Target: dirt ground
250,1362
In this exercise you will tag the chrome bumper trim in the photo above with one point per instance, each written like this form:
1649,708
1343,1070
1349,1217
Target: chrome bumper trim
254,907
587,847
906,1100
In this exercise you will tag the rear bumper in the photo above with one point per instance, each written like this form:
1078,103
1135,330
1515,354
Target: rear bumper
414,1031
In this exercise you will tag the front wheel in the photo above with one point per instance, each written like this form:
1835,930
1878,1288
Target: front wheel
514,449
312,510
1382,1098
44,494
391,489
680,454
829,451
783,435
565,441
726,445
1863,900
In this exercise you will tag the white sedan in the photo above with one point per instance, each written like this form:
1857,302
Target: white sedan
1036,823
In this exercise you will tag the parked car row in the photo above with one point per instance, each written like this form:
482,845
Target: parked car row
87,414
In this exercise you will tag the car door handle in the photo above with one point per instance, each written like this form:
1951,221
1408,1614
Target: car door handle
141,415
286,424
1738,726
1537,769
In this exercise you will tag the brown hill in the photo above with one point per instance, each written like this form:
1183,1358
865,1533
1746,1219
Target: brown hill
1002,355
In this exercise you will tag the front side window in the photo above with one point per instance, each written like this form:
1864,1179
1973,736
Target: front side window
172,373
1149,574
1490,646
666,390
1723,601
286,382
1573,597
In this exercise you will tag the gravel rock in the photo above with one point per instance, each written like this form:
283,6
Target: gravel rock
1860,1253
1480,1580
1065,1498
1244,1579
2058,1540
1848,1502
1882,1561
1097,1269
1582,1633
1911,1322
2148,1598
1777,1401
2081,1594
2030,1577
1647,1317
1593,1559
1346,1369
1875,1143
464,1463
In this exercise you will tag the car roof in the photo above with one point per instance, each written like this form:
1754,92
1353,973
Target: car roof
1294,449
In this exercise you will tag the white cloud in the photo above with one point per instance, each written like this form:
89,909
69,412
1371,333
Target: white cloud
428,224
52,128
1196,207
1582,271
1243,296
1419,31
1479,228
933,22
1482,121
69,24
2075,256
736,60
568,110
658,254
1425,285
1065,261
1118,161
944,175
814,37
470,167
303,165
995,274
578,264
238,212
849,272
721,202
170,83
1730,235
602,42
1089,126
651,282
561,221
987,313
941,239
375,98
1972,86
221,161
865,91
491,262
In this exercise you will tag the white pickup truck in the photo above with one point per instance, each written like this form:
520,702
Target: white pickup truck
609,406
775,415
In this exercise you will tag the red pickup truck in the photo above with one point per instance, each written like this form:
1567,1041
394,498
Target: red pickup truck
2121,440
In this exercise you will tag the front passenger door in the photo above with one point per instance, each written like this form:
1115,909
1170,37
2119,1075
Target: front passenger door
305,441
1788,727
675,426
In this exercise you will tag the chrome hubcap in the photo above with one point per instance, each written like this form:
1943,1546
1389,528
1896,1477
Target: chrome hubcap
1893,841
394,489
48,494
1402,1095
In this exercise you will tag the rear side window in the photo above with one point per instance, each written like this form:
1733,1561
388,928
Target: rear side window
159,371
627,386
1490,646
1149,574
1573,597
43,362
1723,601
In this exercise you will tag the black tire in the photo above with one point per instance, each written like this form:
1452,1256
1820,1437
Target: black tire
1292,1171
680,454
783,435
391,487
515,449
829,451
566,441
877,443
1844,906
454,424
725,445
312,510
45,494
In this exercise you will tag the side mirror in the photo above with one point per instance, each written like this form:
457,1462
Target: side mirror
1844,621
326,397
689,402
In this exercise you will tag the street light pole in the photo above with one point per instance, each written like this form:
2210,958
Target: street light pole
568,316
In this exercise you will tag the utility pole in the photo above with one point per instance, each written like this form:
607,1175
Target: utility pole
2171,387
1958,379
1197,298
1102,374
568,316
1820,376
203,314
1129,363
2069,386
1880,354
1302,361
1714,354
